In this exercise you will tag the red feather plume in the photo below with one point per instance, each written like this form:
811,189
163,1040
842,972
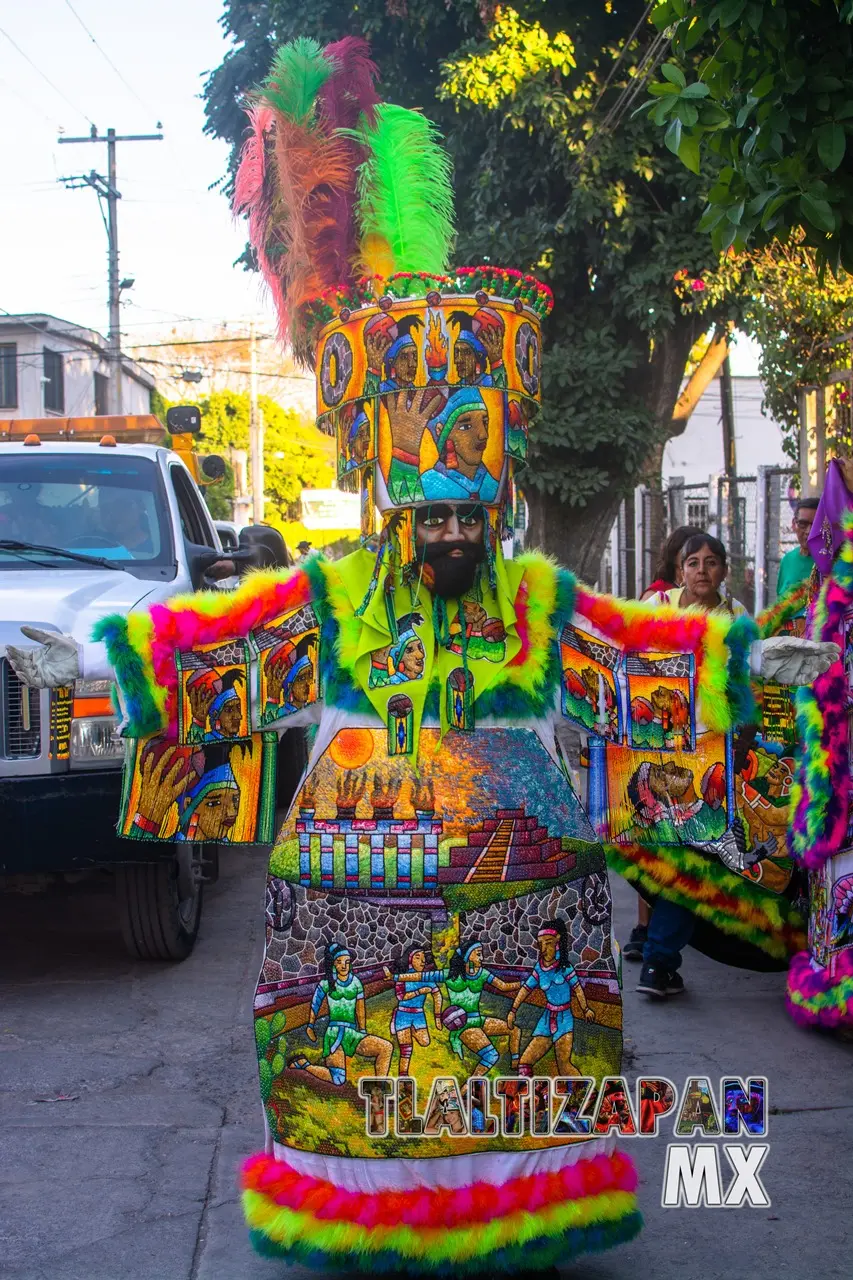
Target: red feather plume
296,180
348,94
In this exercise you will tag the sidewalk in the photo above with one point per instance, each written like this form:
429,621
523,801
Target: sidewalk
133,1175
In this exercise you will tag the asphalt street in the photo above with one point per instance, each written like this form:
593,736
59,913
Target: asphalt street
128,1097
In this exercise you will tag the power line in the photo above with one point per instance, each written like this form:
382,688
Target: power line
30,107
46,79
109,60
262,373
200,342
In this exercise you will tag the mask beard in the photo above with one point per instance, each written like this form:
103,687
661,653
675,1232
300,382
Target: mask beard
452,576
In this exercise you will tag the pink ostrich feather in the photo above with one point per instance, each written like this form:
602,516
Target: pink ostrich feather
253,195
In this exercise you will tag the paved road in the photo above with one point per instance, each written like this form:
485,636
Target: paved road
133,1176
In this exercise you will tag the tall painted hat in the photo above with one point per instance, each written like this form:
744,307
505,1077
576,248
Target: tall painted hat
427,376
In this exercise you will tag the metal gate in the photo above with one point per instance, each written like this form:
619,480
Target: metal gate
751,515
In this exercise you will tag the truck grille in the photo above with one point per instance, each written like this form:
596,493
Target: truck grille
20,729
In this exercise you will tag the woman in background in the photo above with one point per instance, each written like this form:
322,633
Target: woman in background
704,566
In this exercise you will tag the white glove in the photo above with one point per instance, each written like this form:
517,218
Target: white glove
789,660
55,664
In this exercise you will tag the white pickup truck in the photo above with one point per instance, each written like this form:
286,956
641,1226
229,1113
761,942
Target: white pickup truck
96,518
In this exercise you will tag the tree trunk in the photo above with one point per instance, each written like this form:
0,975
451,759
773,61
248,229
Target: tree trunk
576,536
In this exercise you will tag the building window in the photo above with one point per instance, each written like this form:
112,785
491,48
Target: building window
8,375
54,381
102,384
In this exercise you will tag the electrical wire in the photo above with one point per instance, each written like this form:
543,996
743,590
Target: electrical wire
109,60
46,79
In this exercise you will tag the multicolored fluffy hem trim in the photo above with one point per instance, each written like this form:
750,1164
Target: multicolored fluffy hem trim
818,996
819,796
732,904
543,1218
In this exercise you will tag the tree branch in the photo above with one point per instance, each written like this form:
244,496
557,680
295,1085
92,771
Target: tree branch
704,373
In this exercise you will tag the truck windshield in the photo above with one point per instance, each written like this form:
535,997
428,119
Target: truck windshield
110,507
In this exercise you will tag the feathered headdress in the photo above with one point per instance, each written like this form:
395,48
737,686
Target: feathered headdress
335,185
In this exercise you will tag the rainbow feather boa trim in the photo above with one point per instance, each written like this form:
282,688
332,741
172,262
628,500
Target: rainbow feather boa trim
820,794
142,647
519,1226
818,997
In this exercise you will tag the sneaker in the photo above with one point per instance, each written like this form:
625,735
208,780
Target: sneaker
654,981
674,983
633,948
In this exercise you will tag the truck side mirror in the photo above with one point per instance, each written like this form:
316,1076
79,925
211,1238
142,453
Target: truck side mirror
212,468
266,547
200,560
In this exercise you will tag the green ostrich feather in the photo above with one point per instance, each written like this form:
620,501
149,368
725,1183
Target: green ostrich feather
404,192
298,73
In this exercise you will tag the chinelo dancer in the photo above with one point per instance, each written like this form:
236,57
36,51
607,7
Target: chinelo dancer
442,796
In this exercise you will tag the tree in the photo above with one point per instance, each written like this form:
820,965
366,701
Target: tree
544,184
296,455
770,105
793,315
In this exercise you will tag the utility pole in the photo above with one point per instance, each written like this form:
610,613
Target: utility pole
256,432
735,533
106,189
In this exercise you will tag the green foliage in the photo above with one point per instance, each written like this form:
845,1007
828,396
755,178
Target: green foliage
296,455
793,315
605,217
770,106
159,405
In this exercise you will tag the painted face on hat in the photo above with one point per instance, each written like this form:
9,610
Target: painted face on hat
469,437
361,441
468,367
405,368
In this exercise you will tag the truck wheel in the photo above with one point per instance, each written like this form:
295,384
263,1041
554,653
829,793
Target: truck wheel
160,905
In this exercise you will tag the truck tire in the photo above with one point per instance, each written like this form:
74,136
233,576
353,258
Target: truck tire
159,906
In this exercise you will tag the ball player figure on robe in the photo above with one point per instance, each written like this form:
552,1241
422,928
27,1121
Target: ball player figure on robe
462,832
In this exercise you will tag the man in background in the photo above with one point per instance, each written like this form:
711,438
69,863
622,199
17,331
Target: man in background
796,565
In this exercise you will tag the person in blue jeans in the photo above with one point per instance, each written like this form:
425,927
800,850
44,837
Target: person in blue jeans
669,931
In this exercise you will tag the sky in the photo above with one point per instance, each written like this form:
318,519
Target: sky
177,238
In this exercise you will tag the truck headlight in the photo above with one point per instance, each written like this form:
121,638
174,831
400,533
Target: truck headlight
96,738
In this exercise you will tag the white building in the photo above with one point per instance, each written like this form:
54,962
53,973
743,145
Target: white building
698,453
52,367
